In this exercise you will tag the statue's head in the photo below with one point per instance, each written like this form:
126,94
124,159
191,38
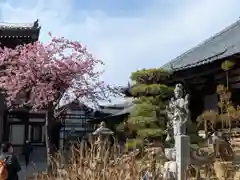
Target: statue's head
102,124
178,91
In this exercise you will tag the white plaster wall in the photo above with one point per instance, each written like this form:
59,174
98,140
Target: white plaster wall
16,136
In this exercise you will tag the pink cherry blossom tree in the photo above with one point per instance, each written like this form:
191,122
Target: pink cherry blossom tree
38,75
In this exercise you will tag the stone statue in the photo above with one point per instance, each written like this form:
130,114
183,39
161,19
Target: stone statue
103,130
103,133
178,113
170,167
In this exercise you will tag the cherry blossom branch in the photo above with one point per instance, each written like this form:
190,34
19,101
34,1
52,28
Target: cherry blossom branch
36,75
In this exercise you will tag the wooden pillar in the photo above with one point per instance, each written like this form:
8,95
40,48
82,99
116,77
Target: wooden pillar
5,135
26,124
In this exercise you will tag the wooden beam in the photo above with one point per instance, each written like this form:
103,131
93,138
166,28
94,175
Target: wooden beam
206,69
18,33
222,75
234,79
204,73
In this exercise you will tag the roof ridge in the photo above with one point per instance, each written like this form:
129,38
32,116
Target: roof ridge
16,24
34,24
228,28
5,22
209,58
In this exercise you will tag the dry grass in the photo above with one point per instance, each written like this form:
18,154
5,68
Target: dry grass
102,162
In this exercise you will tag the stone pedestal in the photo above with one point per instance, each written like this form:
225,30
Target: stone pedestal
182,146
170,167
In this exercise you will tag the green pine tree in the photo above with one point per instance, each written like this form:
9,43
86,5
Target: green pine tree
148,118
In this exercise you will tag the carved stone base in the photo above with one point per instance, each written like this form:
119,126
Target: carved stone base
179,157
182,155
170,167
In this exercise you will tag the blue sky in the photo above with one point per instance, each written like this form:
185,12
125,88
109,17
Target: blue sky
127,34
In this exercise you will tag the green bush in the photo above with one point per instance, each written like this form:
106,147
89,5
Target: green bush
134,144
151,94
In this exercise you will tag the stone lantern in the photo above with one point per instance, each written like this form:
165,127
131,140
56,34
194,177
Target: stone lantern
103,130
103,133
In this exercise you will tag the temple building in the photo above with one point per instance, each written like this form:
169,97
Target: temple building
17,126
75,122
200,69
13,34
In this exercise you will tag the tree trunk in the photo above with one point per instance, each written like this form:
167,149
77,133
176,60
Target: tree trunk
49,148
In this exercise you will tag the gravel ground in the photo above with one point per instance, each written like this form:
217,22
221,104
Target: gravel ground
37,164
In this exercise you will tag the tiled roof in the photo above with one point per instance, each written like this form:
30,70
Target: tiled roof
223,44
18,26
126,110
118,109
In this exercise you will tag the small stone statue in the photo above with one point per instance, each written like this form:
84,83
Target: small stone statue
178,113
102,130
170,167
102,134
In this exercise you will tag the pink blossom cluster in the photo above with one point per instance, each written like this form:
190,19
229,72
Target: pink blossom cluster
38,74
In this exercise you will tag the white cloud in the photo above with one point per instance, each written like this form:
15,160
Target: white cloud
130,42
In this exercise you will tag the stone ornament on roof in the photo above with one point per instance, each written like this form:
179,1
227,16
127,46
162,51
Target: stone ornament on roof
36,24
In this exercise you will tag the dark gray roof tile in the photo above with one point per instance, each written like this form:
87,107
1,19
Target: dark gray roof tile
18,26
223,44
